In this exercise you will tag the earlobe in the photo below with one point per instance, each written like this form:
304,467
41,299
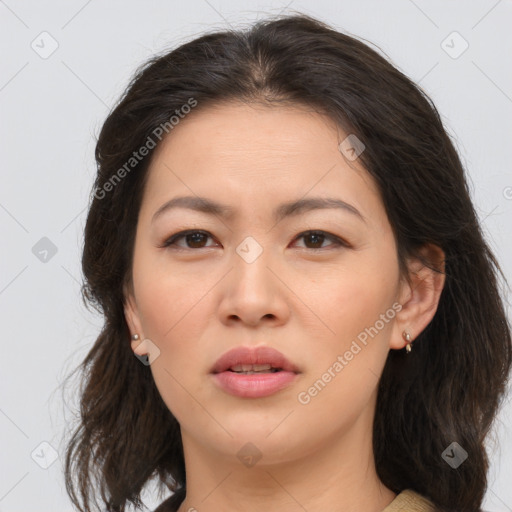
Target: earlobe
419,295
132,319
138,345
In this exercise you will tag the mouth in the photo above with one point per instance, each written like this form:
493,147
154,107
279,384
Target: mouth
252,369
262,359
254,372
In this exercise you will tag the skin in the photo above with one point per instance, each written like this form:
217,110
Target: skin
308,298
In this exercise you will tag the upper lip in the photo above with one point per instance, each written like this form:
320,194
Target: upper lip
253,355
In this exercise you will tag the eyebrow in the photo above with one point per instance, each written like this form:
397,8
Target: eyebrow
204,205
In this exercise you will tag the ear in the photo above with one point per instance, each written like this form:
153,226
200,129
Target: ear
419,294
132,316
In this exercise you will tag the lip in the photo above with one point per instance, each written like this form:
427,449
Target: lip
254,385
256,355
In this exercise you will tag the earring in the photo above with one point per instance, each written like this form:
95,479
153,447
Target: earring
407,337
135,337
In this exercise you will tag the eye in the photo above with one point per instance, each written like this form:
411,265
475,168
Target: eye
195,239
318,237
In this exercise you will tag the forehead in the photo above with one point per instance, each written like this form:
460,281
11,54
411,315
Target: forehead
225,132
241,150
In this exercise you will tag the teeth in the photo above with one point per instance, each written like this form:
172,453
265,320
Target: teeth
252,368
255,373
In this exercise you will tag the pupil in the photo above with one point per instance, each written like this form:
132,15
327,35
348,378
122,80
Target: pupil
195,235
316,236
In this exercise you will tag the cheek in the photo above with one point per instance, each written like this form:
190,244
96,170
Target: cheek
173,317
168,298
344,370
175,322
353,296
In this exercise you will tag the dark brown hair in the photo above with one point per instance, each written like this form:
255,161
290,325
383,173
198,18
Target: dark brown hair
451,385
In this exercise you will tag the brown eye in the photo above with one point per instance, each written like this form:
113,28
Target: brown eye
196,239
317,238
193,240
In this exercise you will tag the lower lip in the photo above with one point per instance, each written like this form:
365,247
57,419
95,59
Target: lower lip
254,385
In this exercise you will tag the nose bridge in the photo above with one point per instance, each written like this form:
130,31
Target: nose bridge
250,250
251,260
252,291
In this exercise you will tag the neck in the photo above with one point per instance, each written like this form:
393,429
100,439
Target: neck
338,475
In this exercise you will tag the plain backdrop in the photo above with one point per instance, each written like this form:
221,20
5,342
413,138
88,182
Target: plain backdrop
65,63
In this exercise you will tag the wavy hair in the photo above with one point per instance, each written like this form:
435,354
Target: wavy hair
448,389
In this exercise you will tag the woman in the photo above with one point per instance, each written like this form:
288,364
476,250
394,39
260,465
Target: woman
281,233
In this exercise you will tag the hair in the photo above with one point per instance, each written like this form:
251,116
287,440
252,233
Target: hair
447,390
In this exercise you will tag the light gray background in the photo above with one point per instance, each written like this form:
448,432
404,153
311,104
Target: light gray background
52,109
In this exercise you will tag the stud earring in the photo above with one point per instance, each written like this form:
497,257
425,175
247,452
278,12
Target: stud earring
135,337
407,337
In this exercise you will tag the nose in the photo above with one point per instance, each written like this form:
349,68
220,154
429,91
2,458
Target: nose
253,293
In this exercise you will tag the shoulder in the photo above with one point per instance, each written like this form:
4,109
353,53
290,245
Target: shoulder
410,501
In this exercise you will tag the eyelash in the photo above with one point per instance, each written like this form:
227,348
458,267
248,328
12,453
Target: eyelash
170,242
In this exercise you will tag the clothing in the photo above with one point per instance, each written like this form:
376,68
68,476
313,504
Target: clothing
406,501
410,501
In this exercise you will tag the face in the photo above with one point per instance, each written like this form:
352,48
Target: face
328,300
